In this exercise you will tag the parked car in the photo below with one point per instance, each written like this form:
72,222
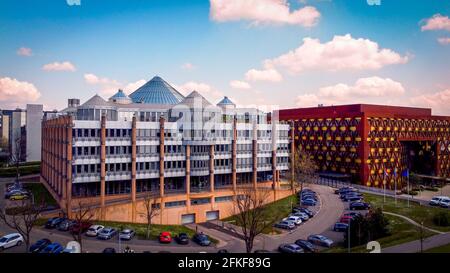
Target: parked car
307,246
345,219
222,251
39,245
285,225
80,227
445,203
109,250
18,196
53,248
296,219
12,192
182,239
309,202
320,240
304,210
352,214
201,239
54,222
127,234
165,237
340,227
435,201
359,206
107,233
352,198
11,240
66,225
302,215
290,248
94,230
261,251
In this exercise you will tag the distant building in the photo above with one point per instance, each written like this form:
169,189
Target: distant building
34,116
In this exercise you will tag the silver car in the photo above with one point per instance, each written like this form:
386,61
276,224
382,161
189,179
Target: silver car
10,240
127,234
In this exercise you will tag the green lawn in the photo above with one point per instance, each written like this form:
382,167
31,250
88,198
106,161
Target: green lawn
439,249
276,210
401,232
415,211
40,193
31,168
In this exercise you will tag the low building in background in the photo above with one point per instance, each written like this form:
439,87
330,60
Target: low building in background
187,154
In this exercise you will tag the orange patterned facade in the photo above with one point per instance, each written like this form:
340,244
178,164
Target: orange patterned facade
367,141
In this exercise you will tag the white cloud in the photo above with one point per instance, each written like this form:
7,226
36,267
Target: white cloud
188,66
439,101
444,40
25,51
240,85
57,66
133,86
13,91
263,12
108,87
341,53
267,74
364,90
436,22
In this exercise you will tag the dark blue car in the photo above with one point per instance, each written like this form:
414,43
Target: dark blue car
53,248
309,202
39,245
340,227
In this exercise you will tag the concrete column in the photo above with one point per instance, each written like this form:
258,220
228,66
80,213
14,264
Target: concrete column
211,167
188,177
69,168
274,154
255,154
234,152
161,158
103,167
292,153
133,168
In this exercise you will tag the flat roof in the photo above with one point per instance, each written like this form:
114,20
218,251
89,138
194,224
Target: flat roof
353,110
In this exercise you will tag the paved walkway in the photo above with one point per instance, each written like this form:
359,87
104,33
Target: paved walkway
414,246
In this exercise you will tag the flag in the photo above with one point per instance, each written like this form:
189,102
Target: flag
405,173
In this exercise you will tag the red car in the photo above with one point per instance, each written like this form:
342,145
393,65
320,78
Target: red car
346,219
76,227
165,237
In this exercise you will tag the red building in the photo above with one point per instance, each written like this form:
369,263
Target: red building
373,143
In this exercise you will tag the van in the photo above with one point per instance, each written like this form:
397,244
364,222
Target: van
435,201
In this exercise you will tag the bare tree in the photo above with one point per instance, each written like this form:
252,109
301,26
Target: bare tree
22,218
304,168
152,209
83,215
251,213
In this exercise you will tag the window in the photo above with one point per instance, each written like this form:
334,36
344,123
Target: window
223,199
175,204
200,201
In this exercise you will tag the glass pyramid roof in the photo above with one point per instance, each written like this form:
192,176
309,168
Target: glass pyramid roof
119,95
156,91
225,101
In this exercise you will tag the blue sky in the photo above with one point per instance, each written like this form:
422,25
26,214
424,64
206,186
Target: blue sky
122,43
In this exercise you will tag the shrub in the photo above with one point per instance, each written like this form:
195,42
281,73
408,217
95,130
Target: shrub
442,219
431,189
411,192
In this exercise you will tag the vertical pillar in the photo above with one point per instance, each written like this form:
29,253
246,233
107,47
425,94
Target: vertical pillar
234,152
211,167
133,169
292,152
364,148
103,166
188,177
161,157
274,154
255,153
69,168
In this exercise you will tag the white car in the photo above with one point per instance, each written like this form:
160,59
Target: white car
94,230
302,215
445,202
435,201
295,219
10,240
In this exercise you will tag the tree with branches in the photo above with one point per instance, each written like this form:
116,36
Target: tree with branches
16,156
83,214
151,210
304,168
22,218
251,213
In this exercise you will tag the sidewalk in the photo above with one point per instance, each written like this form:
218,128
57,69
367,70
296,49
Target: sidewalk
414,246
